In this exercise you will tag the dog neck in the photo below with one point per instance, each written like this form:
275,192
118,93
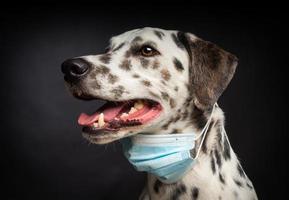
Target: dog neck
213,165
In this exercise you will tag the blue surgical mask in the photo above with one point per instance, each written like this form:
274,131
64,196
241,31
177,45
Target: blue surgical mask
167,156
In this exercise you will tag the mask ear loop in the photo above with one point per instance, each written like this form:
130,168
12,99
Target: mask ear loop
204,132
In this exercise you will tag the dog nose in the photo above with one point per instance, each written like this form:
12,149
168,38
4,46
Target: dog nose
74,68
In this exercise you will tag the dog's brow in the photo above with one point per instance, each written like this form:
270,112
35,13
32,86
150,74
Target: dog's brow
150,43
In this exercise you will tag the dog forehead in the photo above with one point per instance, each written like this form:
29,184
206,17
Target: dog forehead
146,33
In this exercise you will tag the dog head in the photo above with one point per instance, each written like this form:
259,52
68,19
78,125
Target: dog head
153,80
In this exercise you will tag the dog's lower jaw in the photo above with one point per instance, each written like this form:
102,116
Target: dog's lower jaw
217,173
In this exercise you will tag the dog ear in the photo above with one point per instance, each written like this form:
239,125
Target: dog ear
211,69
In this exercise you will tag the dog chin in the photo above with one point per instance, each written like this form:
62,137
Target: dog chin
99,140
105,137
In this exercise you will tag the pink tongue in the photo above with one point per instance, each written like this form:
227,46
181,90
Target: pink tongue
109,114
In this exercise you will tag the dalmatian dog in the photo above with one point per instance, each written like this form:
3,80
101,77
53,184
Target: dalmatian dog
160,82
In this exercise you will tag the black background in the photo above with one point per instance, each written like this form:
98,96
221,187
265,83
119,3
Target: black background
43,155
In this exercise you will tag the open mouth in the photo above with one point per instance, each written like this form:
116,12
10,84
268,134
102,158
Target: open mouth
113,116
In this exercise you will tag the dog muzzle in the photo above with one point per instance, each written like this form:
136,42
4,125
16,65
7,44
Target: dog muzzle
167,156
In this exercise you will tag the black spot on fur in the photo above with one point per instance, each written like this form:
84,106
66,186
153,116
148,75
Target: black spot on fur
195,193
166,125
118,47
213,166
222,178
227,150
219,137
198,117
135,76
249,186
137,39
178,64
159,34
165,96
177,118
218,158
157,186
241,171
181,189
105,58
177,41
176,130
238,183
185,114
204,146
176,88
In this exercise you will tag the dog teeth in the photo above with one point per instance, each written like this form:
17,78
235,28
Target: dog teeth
123,115
138,105
132,110
101,122
95,125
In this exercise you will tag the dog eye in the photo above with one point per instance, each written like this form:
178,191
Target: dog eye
148,51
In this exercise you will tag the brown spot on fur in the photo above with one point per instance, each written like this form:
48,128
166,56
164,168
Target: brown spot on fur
118,91
100,70
156,64
172,103
144,62
165,74
135,76
165,96
93,74
105,58
146,83
163,82
126,65
95,85
112,78
128,53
